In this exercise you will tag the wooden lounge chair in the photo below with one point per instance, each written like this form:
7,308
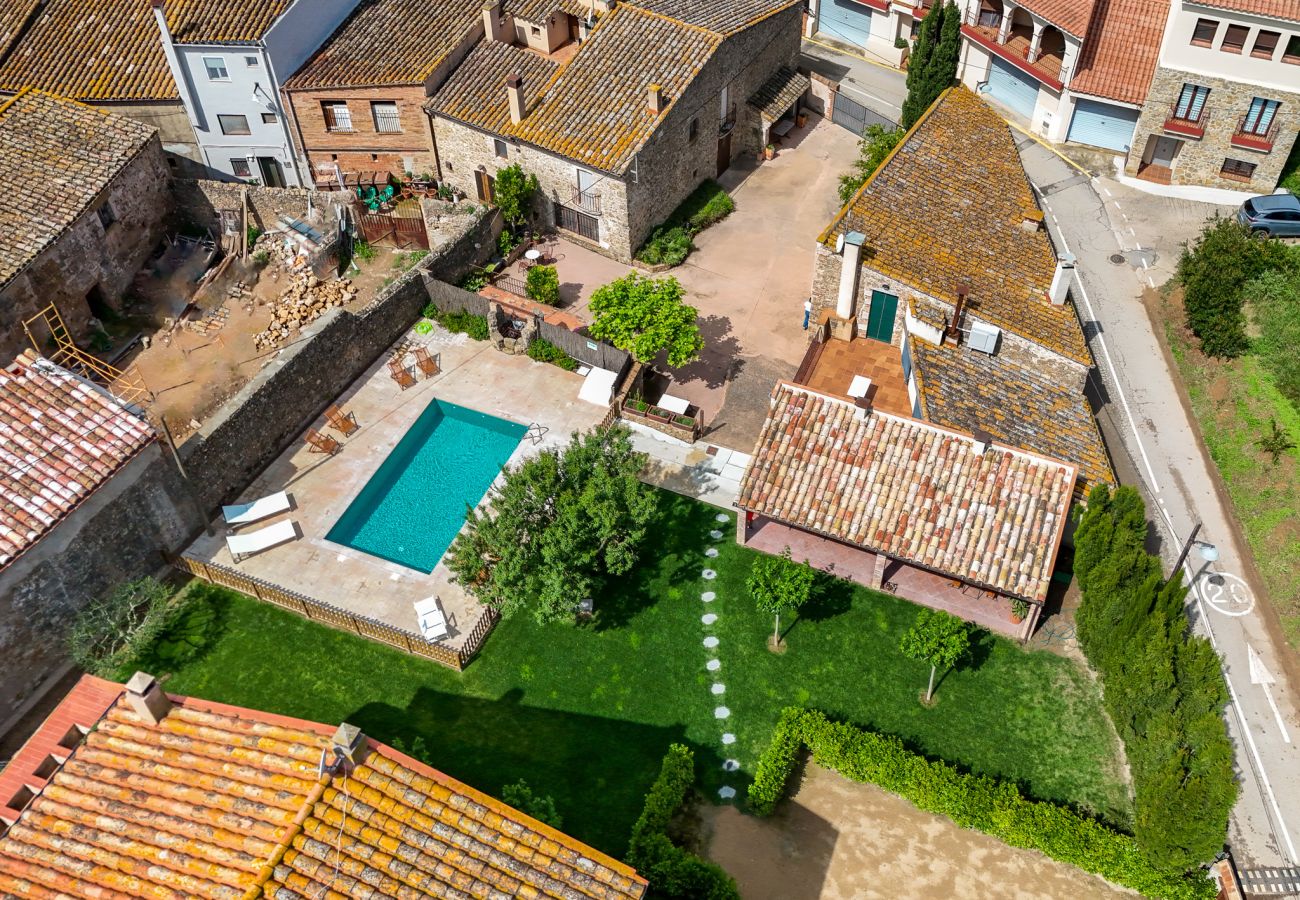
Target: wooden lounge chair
428,365
400,374
343,422
321,443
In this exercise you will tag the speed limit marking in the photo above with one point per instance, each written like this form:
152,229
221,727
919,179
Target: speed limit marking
1227,593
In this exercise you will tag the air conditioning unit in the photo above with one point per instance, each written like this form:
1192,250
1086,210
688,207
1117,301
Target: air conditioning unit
984,337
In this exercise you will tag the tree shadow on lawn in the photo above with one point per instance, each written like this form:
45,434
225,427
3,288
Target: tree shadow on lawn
597,770
982,644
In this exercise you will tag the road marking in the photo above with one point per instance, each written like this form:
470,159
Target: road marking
1259,764
1239,599
1151,281
1116,202
1260,675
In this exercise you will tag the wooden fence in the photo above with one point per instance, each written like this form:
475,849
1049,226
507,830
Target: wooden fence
450,298
334,617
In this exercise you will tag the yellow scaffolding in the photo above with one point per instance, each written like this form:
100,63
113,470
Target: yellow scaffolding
127,385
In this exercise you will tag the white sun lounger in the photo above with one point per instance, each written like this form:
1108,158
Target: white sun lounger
433,623
261,508
242,545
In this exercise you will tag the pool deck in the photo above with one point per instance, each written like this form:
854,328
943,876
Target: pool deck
473,375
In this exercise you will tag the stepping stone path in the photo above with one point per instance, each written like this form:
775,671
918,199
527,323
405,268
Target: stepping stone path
713,664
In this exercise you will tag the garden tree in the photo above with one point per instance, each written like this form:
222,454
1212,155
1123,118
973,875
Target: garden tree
540,807
513,193
876,144
542,284
932,66
646,316
112,632
562,523
937,638
778,584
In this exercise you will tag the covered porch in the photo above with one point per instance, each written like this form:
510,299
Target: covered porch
1012,33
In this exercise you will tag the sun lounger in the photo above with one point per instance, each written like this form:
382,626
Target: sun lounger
428,365
433,623
343,422
241,545
261,508
399,373
321,443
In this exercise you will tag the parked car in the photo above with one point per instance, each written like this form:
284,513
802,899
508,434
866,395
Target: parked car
1273,215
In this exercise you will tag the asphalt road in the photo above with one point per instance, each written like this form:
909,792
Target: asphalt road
1126,242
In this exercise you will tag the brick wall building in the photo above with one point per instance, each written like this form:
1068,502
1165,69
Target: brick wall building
102,218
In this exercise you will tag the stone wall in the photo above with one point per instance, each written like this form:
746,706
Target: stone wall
1201,161
179,144
91,260
198,202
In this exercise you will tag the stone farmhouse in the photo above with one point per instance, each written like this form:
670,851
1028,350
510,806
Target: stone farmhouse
101,184
620,128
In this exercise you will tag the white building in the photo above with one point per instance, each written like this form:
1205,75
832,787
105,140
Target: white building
229,73
878,28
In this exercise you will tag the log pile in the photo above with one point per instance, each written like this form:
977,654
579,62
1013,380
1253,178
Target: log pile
306,299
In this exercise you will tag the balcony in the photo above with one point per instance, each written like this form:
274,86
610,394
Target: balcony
1179,122
586,201
1252,138
984,27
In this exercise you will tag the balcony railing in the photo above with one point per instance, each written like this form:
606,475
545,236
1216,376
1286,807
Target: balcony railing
587,201
985,28
1253,138
1180,123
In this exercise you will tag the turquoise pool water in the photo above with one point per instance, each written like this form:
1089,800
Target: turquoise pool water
411,508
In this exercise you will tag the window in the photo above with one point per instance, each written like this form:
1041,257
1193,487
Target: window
337,115
1203,34
500,149
252,62
1234,39
386,116
241,167
216,67
233,124
1260,116
1191,103
1265,44
1237,170
693,130
106,215
268,118
1292,52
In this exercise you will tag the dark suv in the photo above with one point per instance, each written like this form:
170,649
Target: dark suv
1273,215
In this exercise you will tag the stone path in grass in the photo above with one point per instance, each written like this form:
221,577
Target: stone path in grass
718,689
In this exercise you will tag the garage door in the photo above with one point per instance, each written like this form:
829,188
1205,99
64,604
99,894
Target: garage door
1013,88
1102,125
845,20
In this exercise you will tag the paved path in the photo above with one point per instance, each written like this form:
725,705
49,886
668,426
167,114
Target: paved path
701,470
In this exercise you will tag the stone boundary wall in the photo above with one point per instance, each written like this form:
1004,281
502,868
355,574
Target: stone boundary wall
197,202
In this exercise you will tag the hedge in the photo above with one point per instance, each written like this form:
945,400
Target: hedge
672,871
985,804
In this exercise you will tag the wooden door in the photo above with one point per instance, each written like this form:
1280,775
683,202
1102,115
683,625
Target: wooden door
484,183
724,153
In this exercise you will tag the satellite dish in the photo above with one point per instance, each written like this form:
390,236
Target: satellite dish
839,243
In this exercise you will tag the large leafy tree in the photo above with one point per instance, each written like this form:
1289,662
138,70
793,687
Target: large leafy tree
561,524
876,144
937,638
932,67
780,585
112,632
513,193
647,316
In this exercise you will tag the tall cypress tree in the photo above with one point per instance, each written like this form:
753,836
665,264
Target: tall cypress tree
919,63
932,68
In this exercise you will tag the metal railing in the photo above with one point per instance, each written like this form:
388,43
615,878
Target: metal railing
587,201
1182,122
1253,138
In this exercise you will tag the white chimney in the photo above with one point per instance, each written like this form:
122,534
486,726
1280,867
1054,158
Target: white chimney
850,247
1062,279
494,23
515,95
1032,220
349,743
146,698
656,99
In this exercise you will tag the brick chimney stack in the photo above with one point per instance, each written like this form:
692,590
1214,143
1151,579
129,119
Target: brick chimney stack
515,95
958,312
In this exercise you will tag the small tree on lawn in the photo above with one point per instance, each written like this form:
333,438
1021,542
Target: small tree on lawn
513,193
779,585
937,638
646,316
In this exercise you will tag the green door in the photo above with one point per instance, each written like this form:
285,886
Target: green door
880,319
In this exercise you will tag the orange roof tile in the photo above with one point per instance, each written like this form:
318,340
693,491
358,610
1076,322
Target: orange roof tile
1071,16
475,93
910,490
13,16
1273,9
222,802
719,17
1120,53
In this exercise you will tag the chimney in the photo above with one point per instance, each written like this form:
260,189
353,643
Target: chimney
656,99
515,95
1061,280
146,698
1032,220
851,250
494,23
983,441
958,313
349,743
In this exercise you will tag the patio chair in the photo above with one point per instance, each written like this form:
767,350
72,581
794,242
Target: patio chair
261,508
343,422
399,373
433,622
321,443
242,545
427,363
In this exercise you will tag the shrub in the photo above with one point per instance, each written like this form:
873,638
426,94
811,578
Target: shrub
543,350
506,242
985,804
459,322
110,634
672,871
541,808
876,144
666,247
513,193
363,251
1274,302
670,243
543,285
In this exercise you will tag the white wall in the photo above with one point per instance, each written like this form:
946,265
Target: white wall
1179,53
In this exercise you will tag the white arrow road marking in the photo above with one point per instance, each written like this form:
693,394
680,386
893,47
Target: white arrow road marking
1260,675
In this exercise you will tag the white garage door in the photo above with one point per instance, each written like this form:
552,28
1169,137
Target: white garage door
846,20
1102,125
1013,88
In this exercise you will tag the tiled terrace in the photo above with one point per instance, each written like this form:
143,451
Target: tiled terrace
838,362
984,608
473,375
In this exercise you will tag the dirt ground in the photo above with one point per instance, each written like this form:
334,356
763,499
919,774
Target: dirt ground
836,839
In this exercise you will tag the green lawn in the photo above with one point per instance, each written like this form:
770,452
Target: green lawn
586,714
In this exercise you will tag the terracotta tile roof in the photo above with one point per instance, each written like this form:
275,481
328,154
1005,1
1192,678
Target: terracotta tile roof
389,42
13,16
968,390
476,91
111,49
721,17
1273,9
1120,53
63,155
1071,16
534,11
910,490
222,802
60,440
947,207
776,95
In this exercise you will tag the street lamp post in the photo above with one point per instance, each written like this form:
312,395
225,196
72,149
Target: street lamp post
1208,551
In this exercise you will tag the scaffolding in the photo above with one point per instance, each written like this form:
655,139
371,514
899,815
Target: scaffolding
126,385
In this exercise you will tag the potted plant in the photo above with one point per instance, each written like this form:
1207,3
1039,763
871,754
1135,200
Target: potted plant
1019,609
769,152
802,119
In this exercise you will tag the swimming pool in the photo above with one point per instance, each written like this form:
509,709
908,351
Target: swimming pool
412,507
